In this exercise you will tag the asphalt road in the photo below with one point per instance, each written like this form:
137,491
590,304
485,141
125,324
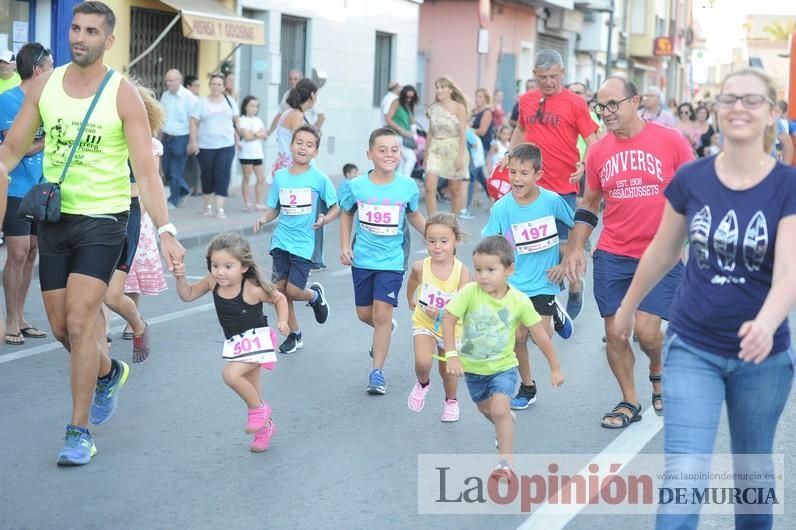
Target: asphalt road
175,455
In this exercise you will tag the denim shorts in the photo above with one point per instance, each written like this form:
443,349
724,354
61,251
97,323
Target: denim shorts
612,277
482,387
287,265
563,230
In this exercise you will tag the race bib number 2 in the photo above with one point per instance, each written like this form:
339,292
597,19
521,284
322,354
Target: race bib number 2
379,219
536,235
295,201
253,346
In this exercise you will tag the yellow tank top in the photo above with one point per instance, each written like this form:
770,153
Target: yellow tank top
436,293
98,178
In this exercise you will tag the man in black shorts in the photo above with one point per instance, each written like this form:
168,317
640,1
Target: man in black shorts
79,253
33,60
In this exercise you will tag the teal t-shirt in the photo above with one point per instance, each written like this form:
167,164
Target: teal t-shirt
299,199
380,212
29,170
531,229
490,324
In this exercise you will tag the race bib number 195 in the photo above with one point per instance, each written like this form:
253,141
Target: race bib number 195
534,236
379,219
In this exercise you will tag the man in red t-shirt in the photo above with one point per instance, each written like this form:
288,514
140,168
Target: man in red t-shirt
629,168
553,118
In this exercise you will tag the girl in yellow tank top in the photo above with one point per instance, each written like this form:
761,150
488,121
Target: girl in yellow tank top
432,283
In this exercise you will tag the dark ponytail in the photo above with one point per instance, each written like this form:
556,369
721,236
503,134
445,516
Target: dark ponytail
299,95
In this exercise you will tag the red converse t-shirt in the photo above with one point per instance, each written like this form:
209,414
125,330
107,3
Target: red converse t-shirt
554,126
632,174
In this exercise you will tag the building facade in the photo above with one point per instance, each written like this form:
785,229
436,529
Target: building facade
353,48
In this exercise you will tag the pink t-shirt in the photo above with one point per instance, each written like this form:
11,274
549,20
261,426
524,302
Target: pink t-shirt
554,123
632,174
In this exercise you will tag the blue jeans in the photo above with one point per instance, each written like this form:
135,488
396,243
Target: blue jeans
174,157
216,166
475,174
695,386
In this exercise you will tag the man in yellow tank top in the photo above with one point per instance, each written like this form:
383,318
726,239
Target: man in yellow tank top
79,253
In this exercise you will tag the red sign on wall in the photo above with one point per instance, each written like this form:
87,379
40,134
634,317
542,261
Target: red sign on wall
662,46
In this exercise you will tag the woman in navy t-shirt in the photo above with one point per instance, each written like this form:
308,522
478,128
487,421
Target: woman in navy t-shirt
728,340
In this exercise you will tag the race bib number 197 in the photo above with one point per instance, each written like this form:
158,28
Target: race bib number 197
253,346
534,236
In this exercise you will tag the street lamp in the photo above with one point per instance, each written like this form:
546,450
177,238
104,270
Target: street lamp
600,7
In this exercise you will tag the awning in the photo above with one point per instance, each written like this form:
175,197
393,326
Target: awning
212,20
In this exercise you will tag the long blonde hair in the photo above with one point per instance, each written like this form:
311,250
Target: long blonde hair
770,135
456,93
155,113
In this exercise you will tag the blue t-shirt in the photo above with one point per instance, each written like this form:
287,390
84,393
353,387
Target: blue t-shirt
380,209
732,236
29,170
531,229
792,127
299,199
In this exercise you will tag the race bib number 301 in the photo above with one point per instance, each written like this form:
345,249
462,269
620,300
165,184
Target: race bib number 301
253,346
295,201
536,235
379,219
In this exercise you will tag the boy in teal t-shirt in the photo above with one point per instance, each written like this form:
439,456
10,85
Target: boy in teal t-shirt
491,312
383,201
304,199
528,218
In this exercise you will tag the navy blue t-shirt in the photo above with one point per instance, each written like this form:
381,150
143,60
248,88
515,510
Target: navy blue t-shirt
732,236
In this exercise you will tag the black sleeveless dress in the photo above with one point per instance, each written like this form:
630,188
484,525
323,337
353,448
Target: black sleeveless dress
236,316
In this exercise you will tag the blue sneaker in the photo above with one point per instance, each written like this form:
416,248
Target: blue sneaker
376,384
78,448
561,320
526,395
575,300
106,395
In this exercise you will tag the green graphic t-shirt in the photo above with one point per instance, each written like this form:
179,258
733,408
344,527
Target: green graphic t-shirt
489,327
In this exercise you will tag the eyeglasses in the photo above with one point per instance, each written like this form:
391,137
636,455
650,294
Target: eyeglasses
749,101
40,58
612,106
540,110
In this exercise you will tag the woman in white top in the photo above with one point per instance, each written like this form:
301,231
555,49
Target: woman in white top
214,123
252,132
299,100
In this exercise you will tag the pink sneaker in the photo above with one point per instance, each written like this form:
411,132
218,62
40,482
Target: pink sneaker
262,438
451,411
258,418
417,398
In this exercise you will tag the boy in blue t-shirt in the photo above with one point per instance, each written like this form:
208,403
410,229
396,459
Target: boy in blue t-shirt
383,202
527,217
301,194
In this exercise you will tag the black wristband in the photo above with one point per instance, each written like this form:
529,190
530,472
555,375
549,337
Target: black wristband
582,215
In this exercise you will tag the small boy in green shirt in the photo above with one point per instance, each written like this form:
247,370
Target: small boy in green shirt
491,311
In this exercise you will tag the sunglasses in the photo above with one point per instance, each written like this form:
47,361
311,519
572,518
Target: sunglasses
540,110
42,55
